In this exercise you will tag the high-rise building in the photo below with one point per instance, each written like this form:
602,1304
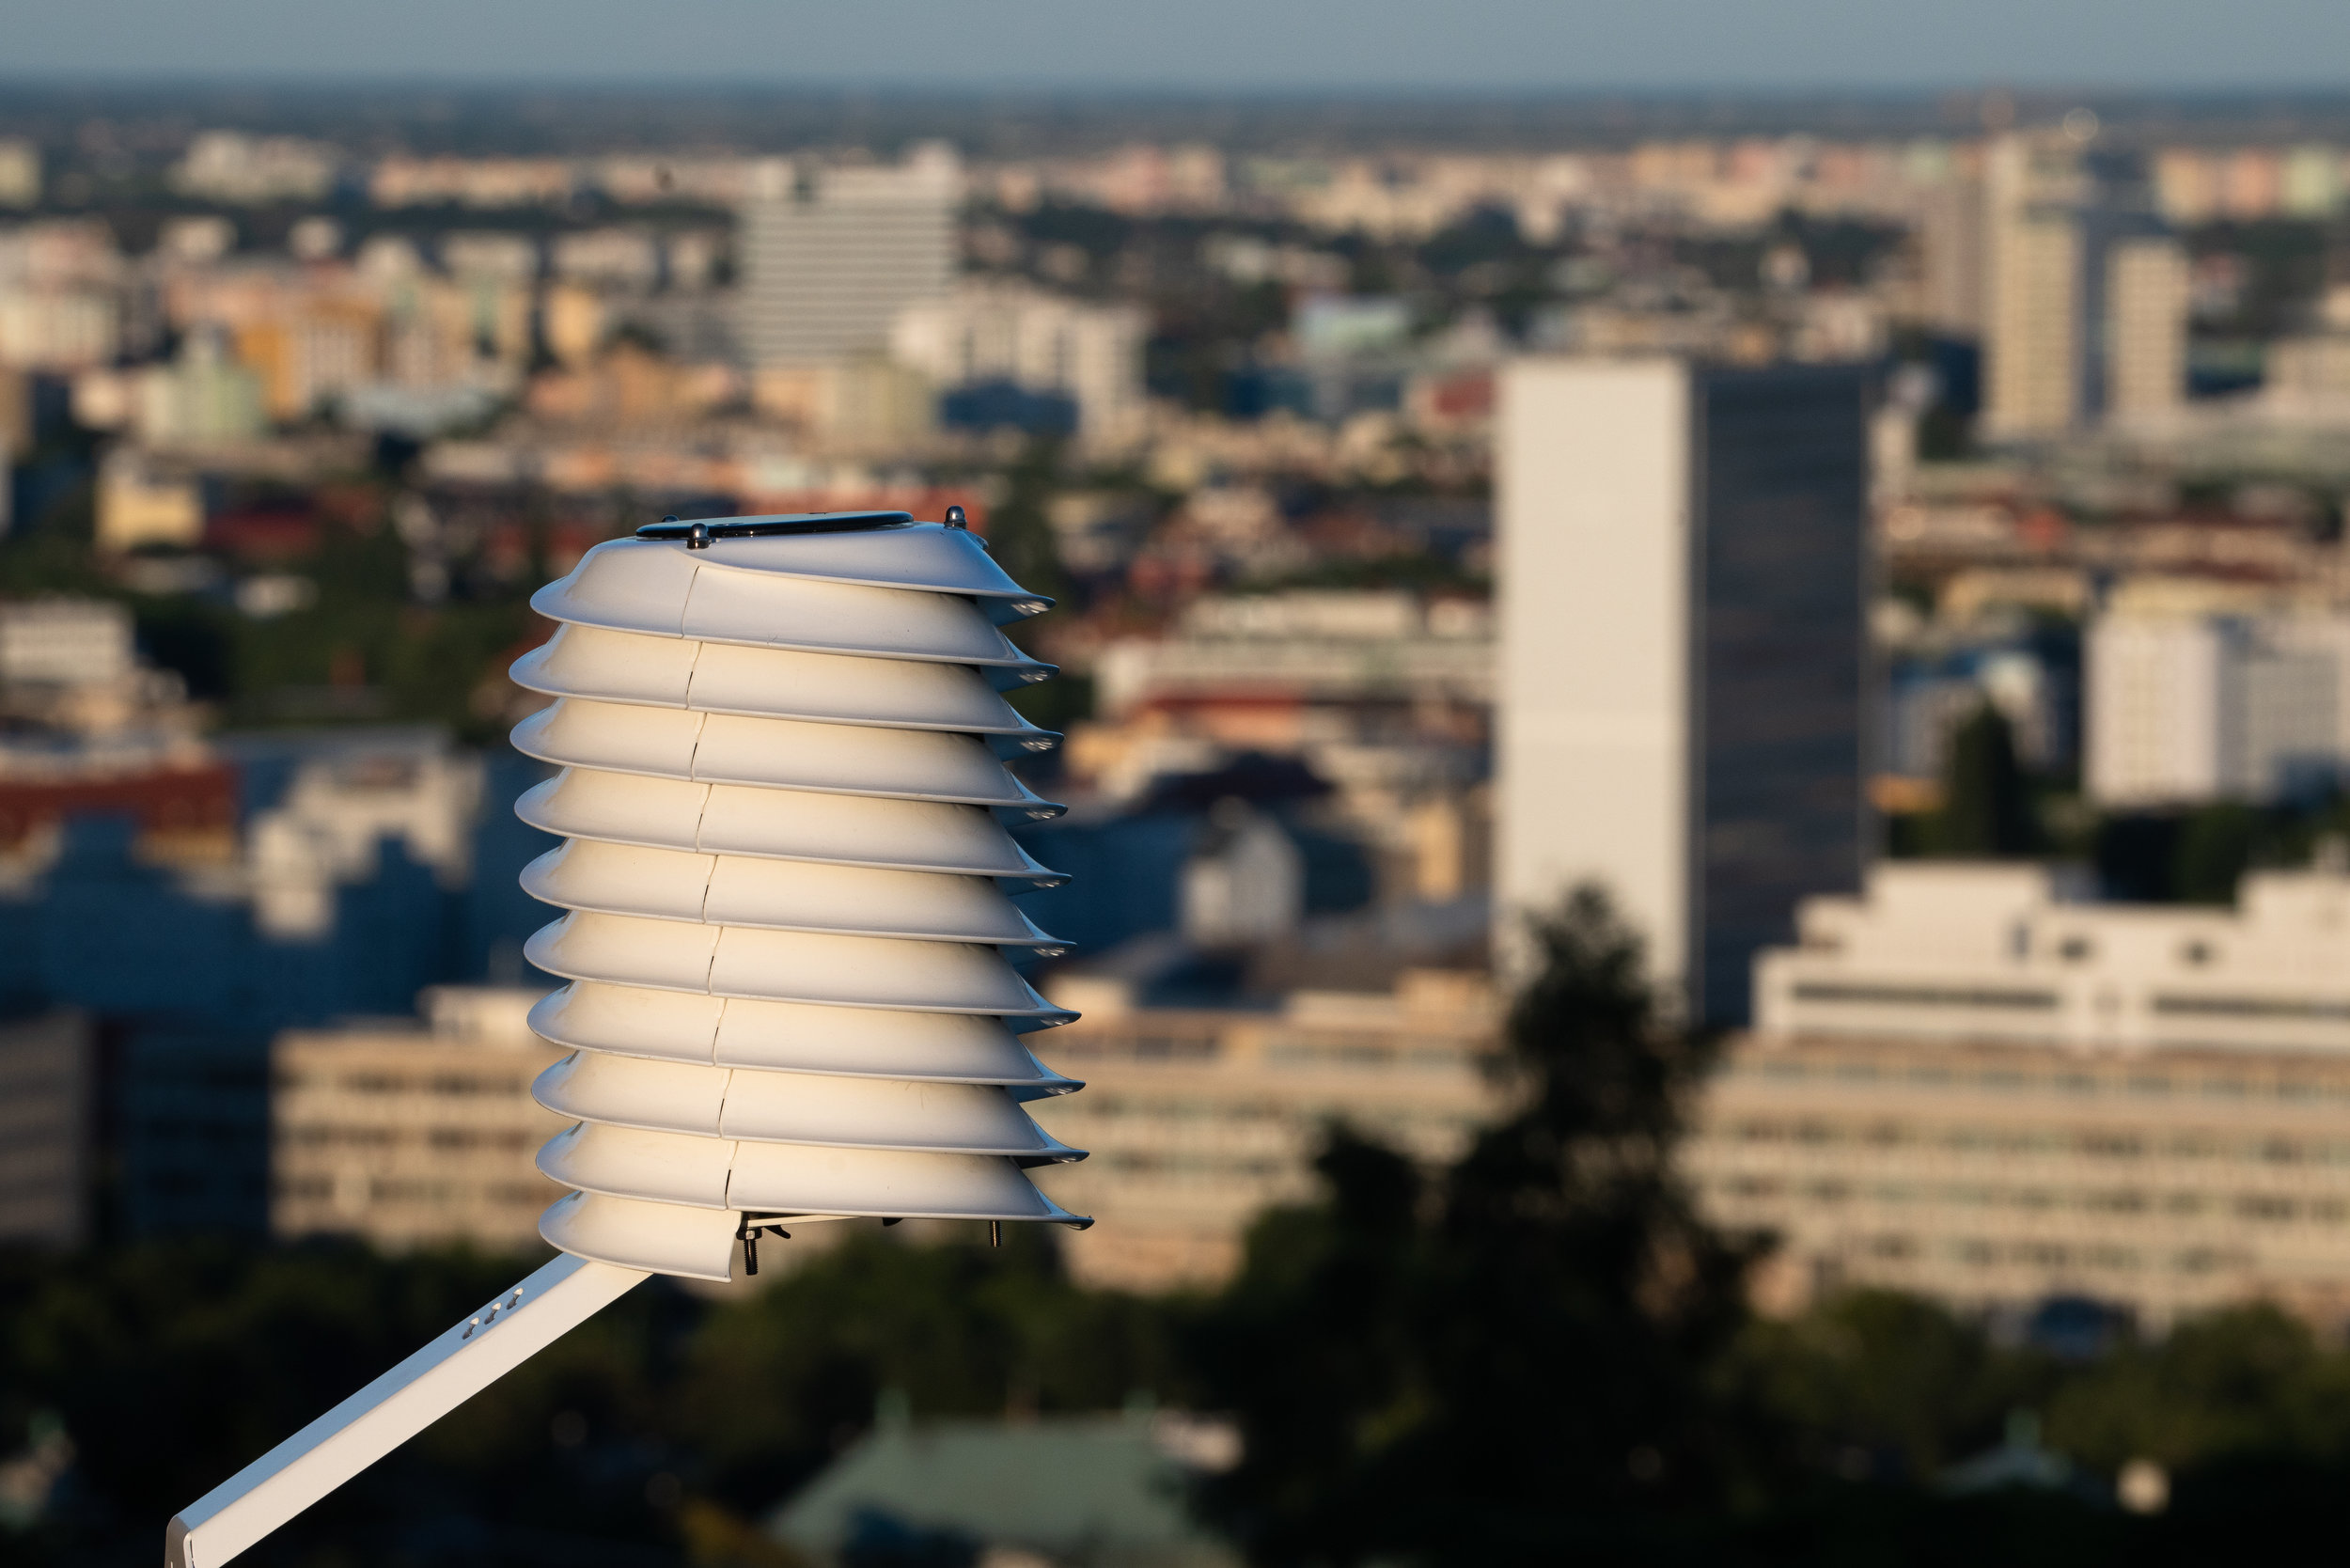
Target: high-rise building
2085,296
1681,578
1951,247
830,256
2146,307
2033,369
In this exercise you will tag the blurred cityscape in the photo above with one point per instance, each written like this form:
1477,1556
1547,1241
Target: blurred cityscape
1895,551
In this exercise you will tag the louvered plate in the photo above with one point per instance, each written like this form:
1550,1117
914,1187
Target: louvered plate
777,754
661,1238
793,1037
782,895
732,819
770,682
792,1108
786,965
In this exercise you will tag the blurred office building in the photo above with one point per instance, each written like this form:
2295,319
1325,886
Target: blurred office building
49,1130
830,255
2145,328
1009,355
1949,229
2085,291
1385,695
1972,1085
2186,709
413,1132
1682,585
1348,725
190,899
1199,1118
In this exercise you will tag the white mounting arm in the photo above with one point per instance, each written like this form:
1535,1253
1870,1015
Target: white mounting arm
392,1410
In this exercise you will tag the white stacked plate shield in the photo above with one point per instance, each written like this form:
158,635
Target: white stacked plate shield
783,769
782,796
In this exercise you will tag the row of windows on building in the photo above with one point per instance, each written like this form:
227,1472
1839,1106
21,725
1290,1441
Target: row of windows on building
2263,1207
1192,1167
2144,1082
2004,998
1974,1252
421,1190
375,1135
2097,1142
1097,1108
376,1084
1364,1054
1369,1057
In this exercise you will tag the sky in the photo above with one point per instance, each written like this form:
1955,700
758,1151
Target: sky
1448,45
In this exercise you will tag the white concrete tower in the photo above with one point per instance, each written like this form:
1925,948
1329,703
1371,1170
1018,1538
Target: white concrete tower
1682,590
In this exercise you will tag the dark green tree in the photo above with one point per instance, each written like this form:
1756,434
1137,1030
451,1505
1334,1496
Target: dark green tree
1579,1301
2246,1381
1316,1347
2216,846
1513,1362
1892,1385
1986,807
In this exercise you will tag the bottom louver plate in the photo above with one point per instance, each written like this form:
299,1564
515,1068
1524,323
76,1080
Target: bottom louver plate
661,1238
792,1178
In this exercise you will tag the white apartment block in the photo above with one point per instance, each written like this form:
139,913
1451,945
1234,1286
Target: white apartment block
65,642
2011,954
2187,709
1040,342
345,798
830,256
1971,1085
1199,1120
1310,645
413,1135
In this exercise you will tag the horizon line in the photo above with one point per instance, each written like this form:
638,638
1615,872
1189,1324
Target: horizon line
964,88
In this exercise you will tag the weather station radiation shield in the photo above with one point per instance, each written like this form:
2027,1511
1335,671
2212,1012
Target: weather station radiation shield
780,906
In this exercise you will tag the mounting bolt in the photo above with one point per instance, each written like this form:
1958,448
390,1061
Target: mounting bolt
956,519
697,537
